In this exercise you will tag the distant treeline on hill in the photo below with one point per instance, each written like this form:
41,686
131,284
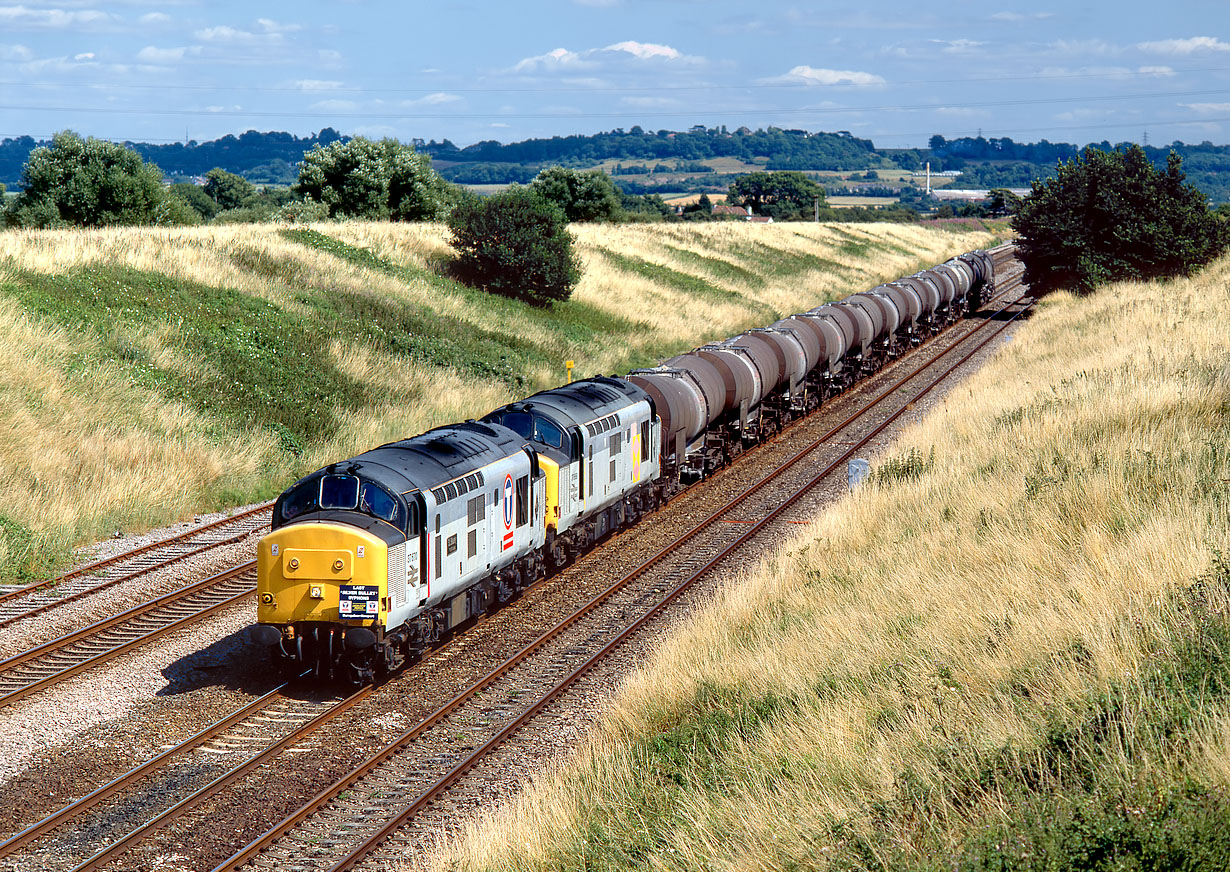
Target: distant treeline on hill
273,157
827,150
263,158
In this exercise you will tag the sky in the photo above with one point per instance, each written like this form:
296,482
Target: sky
890,71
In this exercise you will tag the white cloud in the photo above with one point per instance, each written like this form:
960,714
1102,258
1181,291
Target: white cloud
17,53
650,102
1207,108
335,106
959,46
1185,46
266,32
216,109
645,50
1159,71
1017,17
154,55
84,56
268,25
554,59
52,19
1084,47
151,19
498,124
438,99
805,75
561,59
961,112
317,85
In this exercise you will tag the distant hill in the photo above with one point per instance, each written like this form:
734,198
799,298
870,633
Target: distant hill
643,161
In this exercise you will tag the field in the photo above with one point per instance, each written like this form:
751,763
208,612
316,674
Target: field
1009,651
838,202
146,374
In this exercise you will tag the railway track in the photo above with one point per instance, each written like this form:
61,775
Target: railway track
176,779
413,772
25,601
44,665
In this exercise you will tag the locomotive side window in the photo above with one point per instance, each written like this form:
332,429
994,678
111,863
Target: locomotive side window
339,492
523,500
451,545
547,433
644,440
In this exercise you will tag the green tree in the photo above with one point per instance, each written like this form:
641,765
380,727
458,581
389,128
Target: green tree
1111,216
382,180
1001,201
86,183
175,211
195,196
228,190
516,244
584,195
786,195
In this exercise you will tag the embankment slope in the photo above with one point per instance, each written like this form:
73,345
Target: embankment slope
1010,650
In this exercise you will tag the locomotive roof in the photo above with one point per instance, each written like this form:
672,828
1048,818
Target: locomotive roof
432,458
583,401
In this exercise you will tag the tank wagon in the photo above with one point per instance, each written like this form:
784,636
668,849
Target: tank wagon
372,560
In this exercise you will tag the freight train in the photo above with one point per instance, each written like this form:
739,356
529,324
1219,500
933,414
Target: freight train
373,559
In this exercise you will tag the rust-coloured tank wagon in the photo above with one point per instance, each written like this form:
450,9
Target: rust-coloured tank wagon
373,559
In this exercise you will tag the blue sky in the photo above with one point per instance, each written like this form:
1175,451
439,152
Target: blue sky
891,71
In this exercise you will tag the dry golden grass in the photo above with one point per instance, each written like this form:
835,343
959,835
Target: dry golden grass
1020,566
89,448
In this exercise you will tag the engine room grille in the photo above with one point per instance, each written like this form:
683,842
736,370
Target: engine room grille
397,574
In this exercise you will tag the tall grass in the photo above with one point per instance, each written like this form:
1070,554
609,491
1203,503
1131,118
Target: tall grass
1010,649
150,373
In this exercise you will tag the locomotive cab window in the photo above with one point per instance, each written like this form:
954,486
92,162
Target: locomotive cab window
547,433
299,501
375,500
521,423
339,492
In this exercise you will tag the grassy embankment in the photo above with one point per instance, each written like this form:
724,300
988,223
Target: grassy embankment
146,374
1009,651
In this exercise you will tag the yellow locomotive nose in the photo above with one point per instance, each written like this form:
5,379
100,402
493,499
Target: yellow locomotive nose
312,571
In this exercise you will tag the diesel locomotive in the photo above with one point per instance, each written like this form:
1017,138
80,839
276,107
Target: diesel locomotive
372,560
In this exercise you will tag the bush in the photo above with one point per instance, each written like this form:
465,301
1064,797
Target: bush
228,190
86,183
516,244
382,180
302,212
174,211
195,196
1111,216
583,195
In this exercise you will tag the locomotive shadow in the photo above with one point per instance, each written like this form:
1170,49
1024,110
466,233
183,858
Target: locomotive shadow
234,662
